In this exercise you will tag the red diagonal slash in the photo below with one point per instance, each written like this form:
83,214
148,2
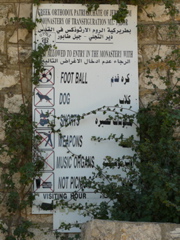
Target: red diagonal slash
44,159
44,181
43,139
44,95
47,158
47,73
40,113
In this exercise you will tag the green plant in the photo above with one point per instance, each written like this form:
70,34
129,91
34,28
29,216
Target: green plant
25,22
121,13
150,189
18,171
37,57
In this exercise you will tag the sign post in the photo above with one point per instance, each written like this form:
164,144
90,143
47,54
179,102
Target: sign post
93,64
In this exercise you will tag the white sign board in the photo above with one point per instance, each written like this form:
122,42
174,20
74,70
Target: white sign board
93,64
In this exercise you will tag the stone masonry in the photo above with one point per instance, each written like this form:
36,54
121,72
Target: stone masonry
15,88
114,230
15,50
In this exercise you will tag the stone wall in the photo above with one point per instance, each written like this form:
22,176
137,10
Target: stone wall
15,88
15,77
154,40
15,50
114,230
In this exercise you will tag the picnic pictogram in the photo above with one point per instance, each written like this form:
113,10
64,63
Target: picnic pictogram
47,76
43,117
44,97
44,183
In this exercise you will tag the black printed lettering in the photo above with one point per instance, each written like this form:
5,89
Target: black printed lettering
70,141
64,98
64,162
63,182
78,195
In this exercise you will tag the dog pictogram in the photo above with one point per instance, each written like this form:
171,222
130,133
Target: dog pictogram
44,97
